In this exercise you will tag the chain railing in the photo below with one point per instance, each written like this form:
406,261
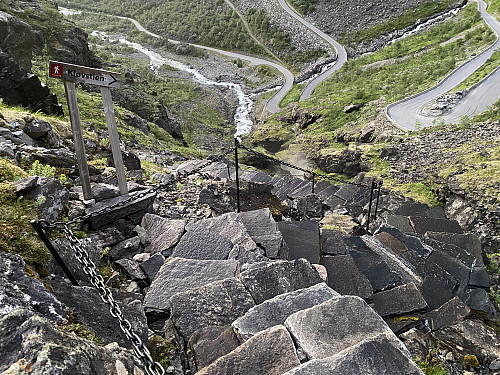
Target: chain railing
140,350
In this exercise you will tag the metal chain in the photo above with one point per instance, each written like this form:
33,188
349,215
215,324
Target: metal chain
140,350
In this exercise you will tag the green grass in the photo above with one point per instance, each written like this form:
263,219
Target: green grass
293,95
489,66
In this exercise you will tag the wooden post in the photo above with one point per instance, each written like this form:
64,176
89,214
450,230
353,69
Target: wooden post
114,140
74,115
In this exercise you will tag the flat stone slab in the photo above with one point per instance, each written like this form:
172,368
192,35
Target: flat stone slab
140,201
209,344
180,275
274,312
302,239
332,242
437,290
379,355
250,359
325,330
423,225
345,278
469,242
391,242
163,234
479,278
453,251
202,243
215,304
448,314
265,280
410,241
152,266
400,222
403,299
264,231
347,191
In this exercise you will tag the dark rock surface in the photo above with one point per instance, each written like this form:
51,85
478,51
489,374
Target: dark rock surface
344,277
215,304
448,314
250,359
162,233
302,239
52,195
404,299
265,280
274,311
201,243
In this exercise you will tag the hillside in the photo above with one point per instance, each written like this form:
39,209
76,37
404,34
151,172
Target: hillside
326,239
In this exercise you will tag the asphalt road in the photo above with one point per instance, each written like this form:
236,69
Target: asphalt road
407,112
341,52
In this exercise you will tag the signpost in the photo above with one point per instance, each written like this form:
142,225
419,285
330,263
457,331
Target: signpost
71,74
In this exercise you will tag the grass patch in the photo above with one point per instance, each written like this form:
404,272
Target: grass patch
489,66
293,95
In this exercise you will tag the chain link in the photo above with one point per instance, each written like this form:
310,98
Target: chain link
140,350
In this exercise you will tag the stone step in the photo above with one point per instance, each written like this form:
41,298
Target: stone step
322,185
302,239
402,300
250,359
423,225
276,310
345,278
468,242
420,210
266,280
382,354
302,190
346,191
209,344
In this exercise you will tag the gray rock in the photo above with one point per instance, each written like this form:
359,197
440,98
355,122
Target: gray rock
266,280
209,344
30,343
92,311
125,249
152,266
264,231
302,239
375,356
215,304
274,311
102,192
53,197
403,299
479,278
138,203
448,314
19,291
37,128
437,290
478,301
163,233
332,242
25,184
391,242
325,330
311,206
21,138
180,275
468,242
453,251
345,278
402,223
423,225
133,270
347,191
202,243
69,258
250,359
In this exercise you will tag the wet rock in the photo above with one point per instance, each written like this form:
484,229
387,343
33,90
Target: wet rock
448,314
261,226
378,355
180,275
215,304
274,311
302,239
19,291
265,280
49,349
344,277
163,234
250,359
209,344
404,299
325,330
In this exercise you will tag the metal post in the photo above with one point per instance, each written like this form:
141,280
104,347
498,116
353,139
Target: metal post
313,175
41,233
378,196
236,145
370,206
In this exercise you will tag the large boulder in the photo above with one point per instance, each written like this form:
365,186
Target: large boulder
163,234
17,38
250,359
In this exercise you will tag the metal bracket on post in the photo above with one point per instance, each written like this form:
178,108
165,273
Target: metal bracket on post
236,145
41,233
370,206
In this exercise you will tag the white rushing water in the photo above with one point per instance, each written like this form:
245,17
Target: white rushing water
242,120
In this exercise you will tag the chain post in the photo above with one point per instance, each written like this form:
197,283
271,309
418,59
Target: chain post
236,145
378,197
370,206
38,227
